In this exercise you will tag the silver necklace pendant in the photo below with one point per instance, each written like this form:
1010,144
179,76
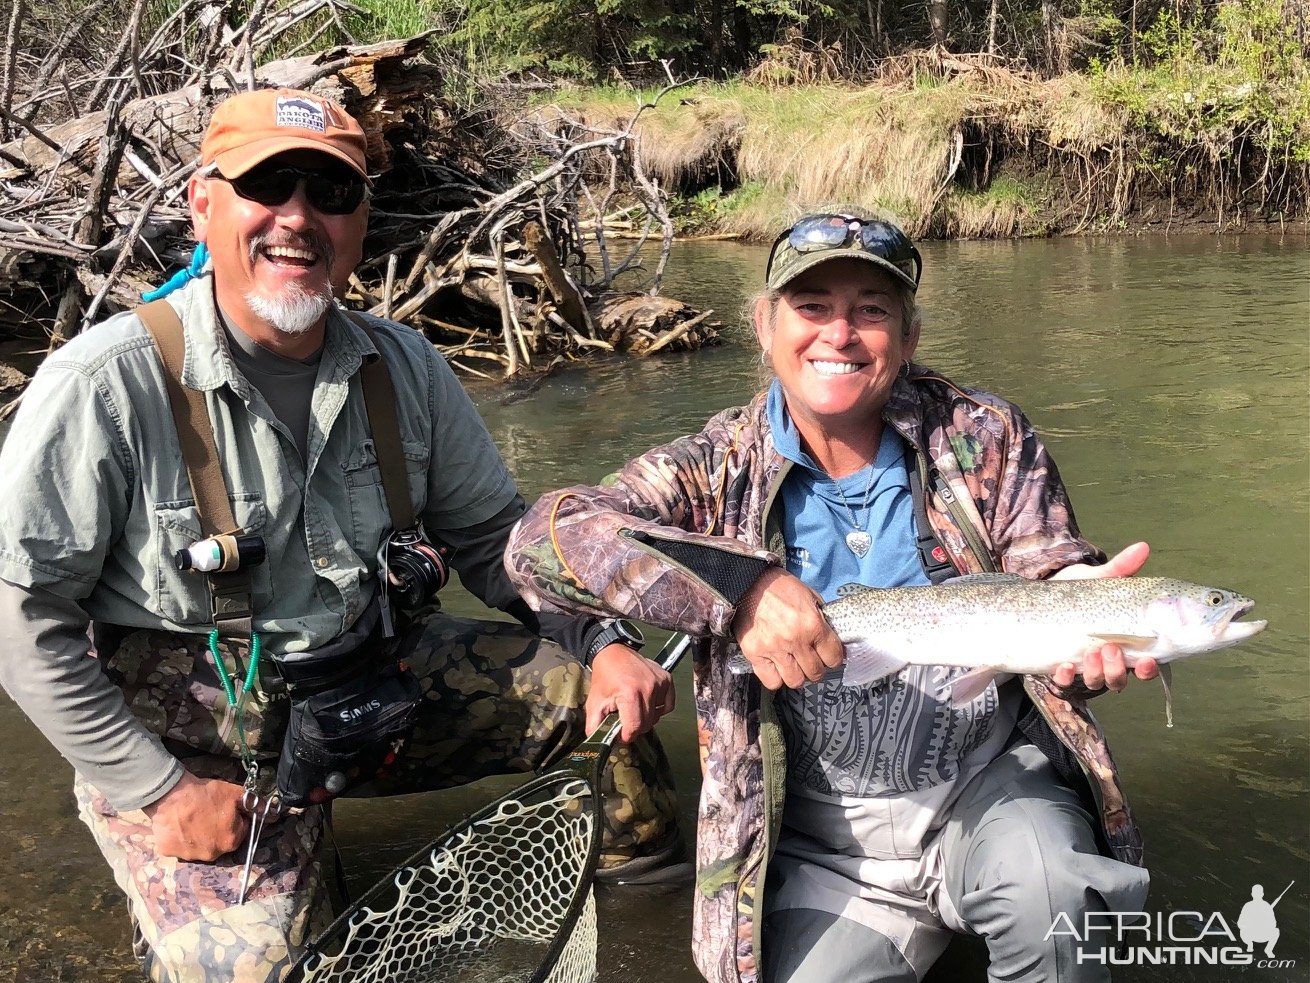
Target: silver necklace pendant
858,542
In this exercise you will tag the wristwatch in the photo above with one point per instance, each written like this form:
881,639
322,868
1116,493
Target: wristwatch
615,630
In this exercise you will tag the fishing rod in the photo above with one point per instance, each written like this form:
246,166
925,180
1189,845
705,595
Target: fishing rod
1280,897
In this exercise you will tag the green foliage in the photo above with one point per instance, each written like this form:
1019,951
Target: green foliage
398,18
1257,41
1243,77
704,210
1006,207
1013,191
595,40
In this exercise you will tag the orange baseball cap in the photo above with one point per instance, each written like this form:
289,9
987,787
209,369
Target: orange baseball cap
251,127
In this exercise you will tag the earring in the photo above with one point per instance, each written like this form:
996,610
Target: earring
764,358
904,372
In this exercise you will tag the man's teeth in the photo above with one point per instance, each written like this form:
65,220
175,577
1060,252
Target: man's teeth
289,252
837,368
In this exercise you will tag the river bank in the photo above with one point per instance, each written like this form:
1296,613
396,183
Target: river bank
962,148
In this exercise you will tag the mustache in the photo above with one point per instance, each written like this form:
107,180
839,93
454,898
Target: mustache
309,240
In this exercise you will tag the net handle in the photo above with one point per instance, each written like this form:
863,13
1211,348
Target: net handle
608,731
587,761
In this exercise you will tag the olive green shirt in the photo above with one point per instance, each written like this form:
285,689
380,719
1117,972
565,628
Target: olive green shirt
95,501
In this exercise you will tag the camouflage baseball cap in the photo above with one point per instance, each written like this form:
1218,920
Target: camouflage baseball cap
817,239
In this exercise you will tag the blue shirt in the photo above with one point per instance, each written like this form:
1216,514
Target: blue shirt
816,519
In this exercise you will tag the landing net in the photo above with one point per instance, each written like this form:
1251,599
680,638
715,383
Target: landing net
504,897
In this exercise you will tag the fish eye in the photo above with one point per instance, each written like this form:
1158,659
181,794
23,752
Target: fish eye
1214,599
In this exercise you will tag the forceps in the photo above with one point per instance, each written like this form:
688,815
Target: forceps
259,808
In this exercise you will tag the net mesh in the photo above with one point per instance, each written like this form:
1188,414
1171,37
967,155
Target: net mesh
484,904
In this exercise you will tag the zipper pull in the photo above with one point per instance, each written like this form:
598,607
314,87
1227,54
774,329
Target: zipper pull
388,626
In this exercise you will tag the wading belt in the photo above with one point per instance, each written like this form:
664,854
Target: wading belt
230,592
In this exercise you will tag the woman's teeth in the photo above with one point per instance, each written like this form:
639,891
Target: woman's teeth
836,368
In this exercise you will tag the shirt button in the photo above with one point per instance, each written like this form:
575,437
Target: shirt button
322,562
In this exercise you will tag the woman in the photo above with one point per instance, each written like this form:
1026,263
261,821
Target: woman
845,833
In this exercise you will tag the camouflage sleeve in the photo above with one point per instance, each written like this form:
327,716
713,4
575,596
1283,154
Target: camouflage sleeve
645,544
1032,526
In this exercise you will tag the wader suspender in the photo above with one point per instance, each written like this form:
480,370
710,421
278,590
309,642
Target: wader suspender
230,592
233,607
380,405
933,557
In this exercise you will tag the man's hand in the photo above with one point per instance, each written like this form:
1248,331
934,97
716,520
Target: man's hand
199,819
783,633
623,680
1103,665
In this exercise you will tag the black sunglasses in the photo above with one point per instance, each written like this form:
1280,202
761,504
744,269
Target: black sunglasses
882,239
337,191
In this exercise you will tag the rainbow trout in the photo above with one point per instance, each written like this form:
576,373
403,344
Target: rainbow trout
1001,623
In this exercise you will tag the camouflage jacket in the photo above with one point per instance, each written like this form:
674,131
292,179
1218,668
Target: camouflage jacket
676,538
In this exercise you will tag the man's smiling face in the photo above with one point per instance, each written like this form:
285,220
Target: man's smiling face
277,263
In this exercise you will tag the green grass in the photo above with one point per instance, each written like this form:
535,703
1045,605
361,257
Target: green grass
386,19
1007,207
887,148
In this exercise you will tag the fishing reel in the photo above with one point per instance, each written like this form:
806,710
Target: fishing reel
411,568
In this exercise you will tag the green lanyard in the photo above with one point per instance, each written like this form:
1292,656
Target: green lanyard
237,697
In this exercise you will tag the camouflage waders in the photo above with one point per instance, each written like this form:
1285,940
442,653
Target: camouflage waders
497,700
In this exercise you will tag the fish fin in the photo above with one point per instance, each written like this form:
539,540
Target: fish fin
1130,642
866,665
1166,680
985,578
967,688
846,590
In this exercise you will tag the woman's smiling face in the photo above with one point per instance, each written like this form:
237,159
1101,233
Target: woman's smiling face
836,343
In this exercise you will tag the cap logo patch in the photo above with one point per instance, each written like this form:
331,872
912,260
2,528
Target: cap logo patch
304,113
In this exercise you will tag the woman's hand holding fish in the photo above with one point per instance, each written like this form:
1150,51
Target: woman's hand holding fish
783,633
1104,666
1125,563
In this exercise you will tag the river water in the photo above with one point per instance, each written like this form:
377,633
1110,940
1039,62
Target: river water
1171,379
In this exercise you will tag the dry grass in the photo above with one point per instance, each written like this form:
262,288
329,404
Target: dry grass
1075,119
1007,209
888,149
683,146
932,152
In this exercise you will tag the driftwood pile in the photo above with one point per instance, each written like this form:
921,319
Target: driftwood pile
505,273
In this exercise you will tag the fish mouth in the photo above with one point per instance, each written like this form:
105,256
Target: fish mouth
1234,628
1239,608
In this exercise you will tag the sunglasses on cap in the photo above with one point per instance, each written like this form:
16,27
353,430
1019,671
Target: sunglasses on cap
335,191
816,233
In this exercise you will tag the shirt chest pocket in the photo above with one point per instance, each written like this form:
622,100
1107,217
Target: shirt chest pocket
370,519
183,595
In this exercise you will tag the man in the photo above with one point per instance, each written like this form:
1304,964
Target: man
95,505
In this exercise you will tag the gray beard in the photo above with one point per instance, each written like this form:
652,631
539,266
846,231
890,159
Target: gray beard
294,312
